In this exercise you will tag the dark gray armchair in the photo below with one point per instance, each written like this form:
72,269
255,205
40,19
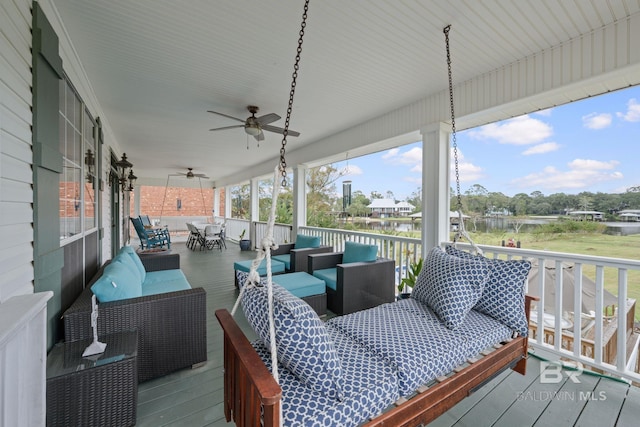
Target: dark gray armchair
295,260
294,255
354,286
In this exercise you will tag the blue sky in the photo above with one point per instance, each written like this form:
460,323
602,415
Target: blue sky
589,145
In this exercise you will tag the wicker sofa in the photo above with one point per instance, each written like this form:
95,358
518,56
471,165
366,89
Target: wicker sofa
171,326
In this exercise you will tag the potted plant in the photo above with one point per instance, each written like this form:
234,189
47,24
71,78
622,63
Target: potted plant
245,244
408,282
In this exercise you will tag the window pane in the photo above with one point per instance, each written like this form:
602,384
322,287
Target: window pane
71,179
90,162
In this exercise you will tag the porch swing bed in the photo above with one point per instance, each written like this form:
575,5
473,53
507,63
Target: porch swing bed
401,363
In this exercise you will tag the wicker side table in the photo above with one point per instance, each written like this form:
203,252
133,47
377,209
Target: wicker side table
97,390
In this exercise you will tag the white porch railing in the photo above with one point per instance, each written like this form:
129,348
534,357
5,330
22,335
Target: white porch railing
603,349
281,232
235,227
23,356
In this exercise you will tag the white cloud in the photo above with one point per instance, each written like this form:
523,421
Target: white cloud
410,157
391,153
521,130
633,112
545,113
410,160
413,180
596,121
467,170
352,170
586,164
581,173
545,147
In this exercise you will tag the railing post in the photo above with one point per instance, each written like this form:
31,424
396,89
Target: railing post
621,353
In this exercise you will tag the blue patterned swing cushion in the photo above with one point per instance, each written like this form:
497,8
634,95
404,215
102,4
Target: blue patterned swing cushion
413,340
450,286
302,342
503,294
369,387
242,276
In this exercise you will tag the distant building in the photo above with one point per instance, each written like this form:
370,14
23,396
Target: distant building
385,208
586,215
498,212
629,215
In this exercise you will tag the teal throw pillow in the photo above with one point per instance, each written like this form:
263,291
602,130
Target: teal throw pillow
116,283
359,252
303,242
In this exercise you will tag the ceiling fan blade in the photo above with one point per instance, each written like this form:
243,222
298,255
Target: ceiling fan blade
267,118
280,130
226,115
228,127
259,137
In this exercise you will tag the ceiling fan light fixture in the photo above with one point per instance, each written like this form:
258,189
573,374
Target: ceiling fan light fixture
252,130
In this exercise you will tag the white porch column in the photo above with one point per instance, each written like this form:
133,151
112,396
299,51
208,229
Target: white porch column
227,202
216,204
435,185
299,199
254,209
136,200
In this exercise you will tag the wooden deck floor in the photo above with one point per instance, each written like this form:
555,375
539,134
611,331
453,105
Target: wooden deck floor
193,397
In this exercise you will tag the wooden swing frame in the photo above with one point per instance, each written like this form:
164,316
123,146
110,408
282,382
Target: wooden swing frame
252,397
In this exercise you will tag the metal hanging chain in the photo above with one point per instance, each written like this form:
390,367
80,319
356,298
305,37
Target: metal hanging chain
461,230
453,119
296,67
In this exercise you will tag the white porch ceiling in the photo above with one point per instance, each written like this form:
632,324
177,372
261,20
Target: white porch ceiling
156,67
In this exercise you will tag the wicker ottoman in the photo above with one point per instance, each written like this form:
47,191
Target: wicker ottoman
307,287
95,390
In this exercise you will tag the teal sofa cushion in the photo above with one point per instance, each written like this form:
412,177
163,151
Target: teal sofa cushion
303,242
359,252
276,266
117,282
125,259
301,284
285,258
329,276
128,250
159,282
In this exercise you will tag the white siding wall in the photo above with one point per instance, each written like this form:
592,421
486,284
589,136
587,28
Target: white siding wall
16,195
77,75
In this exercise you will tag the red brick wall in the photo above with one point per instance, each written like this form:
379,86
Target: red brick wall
154,203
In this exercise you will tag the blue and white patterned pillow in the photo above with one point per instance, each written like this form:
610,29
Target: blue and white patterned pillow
503,294
450,286
302,342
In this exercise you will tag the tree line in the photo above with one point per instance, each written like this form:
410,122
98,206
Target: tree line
325,203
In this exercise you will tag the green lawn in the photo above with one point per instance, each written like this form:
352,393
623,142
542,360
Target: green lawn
596,244
626,247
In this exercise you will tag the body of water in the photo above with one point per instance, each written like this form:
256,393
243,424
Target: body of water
490,225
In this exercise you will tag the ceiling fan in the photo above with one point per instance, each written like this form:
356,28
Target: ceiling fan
191,175
255,125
